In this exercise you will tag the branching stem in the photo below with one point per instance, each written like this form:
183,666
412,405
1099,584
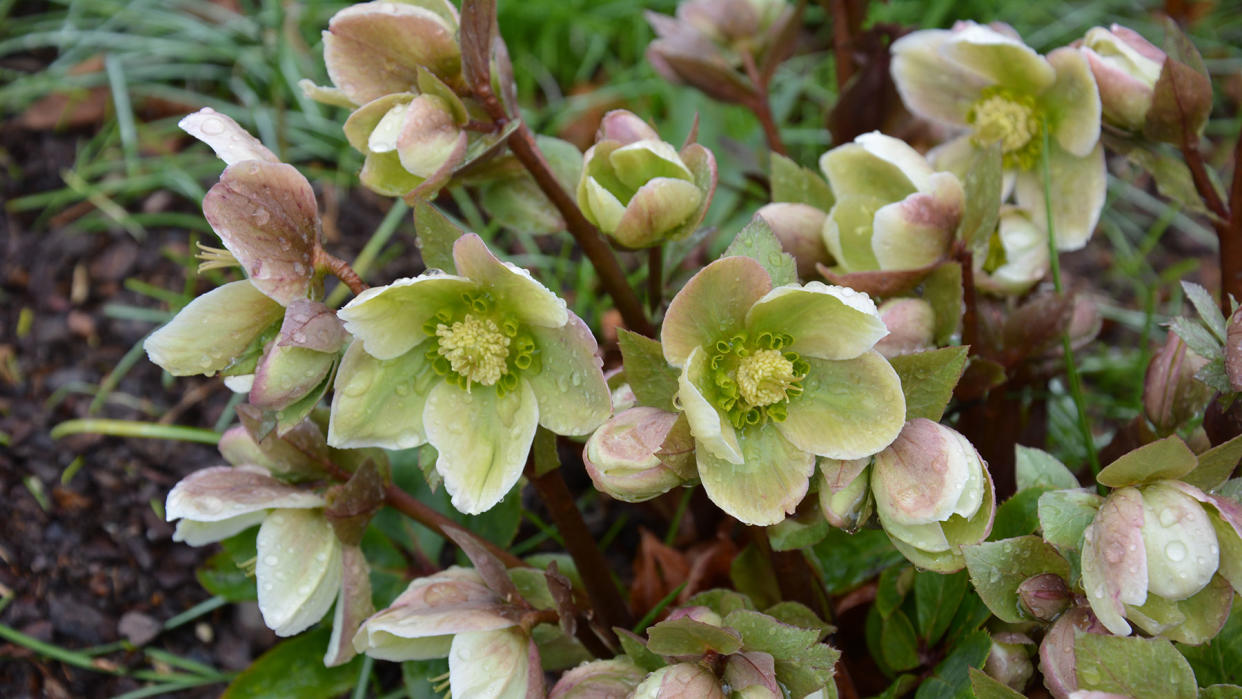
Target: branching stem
341,270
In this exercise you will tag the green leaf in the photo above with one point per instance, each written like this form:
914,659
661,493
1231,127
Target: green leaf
985,687
799,185
803,664
1064,514
936,599
1018,515
798,614
997,568
1218,661
982,185
845,560
651,378
899,644
757,241
1216,465
971,614
952,675
295,669
928,379
436,235
685,636
1214,375
1182,96
943,290
518,204
1142,668
723,602
1165,459
1221,691
220,575
751,574
636,649
794,533
1172,175
1036,468
1198,338
891,591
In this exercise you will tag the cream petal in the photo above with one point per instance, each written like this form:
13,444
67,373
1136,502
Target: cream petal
380,403
213,330
711,429
298,569
825,321
513,288
223,492
226,137
570,387
1078,191
388,320
766,485
712,305
848,409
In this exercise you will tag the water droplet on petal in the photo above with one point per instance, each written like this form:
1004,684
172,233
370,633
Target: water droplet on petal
1169,517
1175,551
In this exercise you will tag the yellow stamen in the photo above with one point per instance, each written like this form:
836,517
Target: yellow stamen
764,376
475,348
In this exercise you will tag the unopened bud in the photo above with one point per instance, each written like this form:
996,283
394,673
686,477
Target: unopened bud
640,453
911,326
1044,596
799,228
1171,393
1126,68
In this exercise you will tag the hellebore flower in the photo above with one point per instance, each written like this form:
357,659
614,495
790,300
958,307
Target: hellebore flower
471,363
454,614
772,377
893,211
984,79
933,494
1017,255
640,190
268,334
301,567
640,453
1126,67
1155,555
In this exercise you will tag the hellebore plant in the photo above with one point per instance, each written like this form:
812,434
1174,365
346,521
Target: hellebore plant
470,363
984,80
1126,67
772,377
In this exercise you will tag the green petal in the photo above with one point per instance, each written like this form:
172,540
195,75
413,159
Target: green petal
828,322
932,86
428,137
267,216
361,125
597,166
1002,59
848,409
482,439
658,207
202,533
490,664
711,429
286,374
213,330
918,230
848,230
570,387
1078,189
642,161
375,48
900,154
702,165
927,537
298,569
712,305
389,319
854,170
380,402
602,206
512,287
383,174
767,485
1073,102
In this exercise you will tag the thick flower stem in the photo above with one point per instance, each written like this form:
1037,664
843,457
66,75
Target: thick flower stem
341,270
762,107
610,609
970,313
1227,219
655,278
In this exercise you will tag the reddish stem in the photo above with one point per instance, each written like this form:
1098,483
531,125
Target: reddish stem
761,107
1228,230
341,270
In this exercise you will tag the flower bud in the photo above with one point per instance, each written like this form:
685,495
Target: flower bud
639,189
1233,351
1009,661
1045,596
800,228
1017,256
911,326
933,494
639,454
599,679
845,492
406,138
1126,68
893,211
1171,393
731,22
680,681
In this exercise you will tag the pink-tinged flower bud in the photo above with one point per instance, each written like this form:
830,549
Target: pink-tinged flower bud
845,492
1009,661
640,190
911,326
933,494
1171,394
600,679
639,454
1126,68
1045,596
680,681
799,227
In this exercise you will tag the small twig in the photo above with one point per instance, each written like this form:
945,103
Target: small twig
841,42
970,314
761,107
341,270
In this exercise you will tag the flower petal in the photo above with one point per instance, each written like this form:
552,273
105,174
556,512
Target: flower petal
212,330
226,137
658,207
482,438
1183,555
766,485
1114,559
601,205
711,429
712,305
363,124
848,409
428,137
642,161
921,477
353,605
375,48
267,216
298,569
490,664
916,231
897,152
848,230
389,319
932,86
828,322
1073,102
197,533
1078,188
1001,58
223,492
570,387
1026,254
286,374
383,174
855,170
380,403
513,287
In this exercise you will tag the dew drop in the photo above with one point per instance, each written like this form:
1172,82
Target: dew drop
1113,555
1168,517
1175,551
261,216
212,126
268,587
270,560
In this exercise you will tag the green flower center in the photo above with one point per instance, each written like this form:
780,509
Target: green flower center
1012,120
752,381
479,344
